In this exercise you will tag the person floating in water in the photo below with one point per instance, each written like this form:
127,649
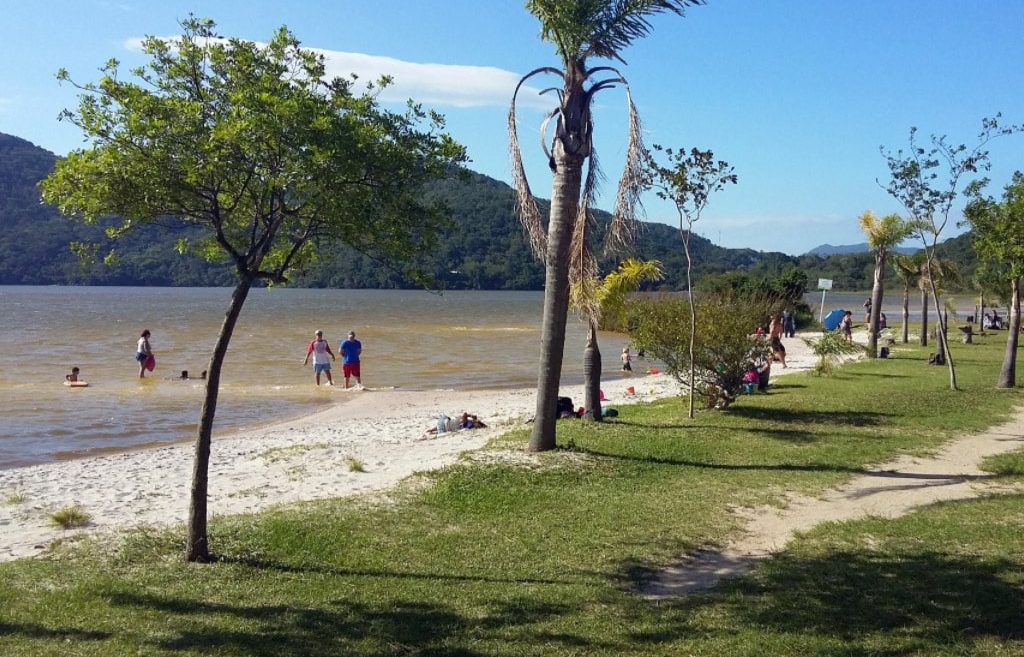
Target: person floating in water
184,376
73,377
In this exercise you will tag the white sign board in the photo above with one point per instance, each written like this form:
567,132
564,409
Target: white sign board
824,283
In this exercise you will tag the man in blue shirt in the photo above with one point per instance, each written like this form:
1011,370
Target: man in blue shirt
350,350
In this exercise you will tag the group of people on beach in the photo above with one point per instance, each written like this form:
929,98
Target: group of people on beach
320,350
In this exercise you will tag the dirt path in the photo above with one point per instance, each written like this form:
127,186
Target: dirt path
889,491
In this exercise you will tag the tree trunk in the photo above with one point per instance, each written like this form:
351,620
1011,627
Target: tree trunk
1008,374
197,547
981,317
924,317
876,304
592,376
906,314
693,316
940,333
565,196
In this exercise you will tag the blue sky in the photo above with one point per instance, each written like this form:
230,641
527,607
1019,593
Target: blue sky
797,94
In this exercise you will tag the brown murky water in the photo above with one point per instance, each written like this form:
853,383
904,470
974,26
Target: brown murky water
411,340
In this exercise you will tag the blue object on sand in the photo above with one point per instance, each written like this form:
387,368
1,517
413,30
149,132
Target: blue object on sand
832,319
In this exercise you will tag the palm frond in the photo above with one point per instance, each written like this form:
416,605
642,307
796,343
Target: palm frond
582,263
526,204
624,223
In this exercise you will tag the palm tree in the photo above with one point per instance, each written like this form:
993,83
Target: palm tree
882,234
602,299
580,29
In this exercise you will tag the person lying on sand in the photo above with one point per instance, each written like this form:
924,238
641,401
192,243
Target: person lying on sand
447,424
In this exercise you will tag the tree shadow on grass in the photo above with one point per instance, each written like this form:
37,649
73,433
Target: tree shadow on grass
919,604
347,627
37,631
876,375
842,418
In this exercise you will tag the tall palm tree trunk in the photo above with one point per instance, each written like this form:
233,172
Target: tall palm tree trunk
1008,373
564,204
592,376
197,546
876,304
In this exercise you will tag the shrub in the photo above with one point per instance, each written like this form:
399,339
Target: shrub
829,348
70,517
723,352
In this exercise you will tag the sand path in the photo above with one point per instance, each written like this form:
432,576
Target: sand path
889,491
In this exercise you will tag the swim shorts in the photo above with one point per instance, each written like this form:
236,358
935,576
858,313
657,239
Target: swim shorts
141,357
351,369
321,367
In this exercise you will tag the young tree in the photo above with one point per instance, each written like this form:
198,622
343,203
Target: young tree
907,269
998,236
725,351
688,181
928,195
599,299
251,144
882,234
580,30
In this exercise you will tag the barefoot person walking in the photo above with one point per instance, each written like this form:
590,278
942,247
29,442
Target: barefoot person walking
350,350
322,357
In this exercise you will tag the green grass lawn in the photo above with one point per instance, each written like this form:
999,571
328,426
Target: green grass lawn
541,555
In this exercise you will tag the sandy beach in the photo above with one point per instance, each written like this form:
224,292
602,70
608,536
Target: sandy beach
303,459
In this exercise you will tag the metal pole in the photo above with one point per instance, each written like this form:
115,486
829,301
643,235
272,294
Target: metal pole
821,313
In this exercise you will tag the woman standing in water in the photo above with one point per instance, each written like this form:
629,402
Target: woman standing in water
143,352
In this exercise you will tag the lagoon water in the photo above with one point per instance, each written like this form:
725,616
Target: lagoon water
411,340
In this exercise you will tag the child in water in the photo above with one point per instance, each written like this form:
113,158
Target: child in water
626,367
73,376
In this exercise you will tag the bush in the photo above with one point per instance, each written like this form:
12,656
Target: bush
829,348
723,352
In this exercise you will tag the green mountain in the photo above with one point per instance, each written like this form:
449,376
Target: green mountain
485,248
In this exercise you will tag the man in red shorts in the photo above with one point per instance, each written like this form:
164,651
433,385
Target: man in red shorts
350,350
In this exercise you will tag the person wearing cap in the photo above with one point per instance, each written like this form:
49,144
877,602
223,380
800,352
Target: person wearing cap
350,350
322,357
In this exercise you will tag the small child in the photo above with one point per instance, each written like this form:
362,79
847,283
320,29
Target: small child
73,376
626,367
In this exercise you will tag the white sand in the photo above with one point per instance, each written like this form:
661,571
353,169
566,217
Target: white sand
303,459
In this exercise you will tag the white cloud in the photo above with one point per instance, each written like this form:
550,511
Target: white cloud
451,85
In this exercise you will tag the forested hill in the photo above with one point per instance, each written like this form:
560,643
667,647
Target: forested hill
485,248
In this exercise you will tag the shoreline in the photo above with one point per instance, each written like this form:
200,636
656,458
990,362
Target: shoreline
300,459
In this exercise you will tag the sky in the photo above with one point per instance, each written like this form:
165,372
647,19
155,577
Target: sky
798,95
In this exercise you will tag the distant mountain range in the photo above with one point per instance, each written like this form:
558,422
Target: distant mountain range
484,249
826,250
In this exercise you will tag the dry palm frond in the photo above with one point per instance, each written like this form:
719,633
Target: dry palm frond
526,204
582,263
624,224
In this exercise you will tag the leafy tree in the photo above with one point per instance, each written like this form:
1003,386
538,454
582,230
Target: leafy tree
882,234
725,350
268,160
999,240
599,299
688,181
928,195
580,30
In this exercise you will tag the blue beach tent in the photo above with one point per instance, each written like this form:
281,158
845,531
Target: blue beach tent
832,319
